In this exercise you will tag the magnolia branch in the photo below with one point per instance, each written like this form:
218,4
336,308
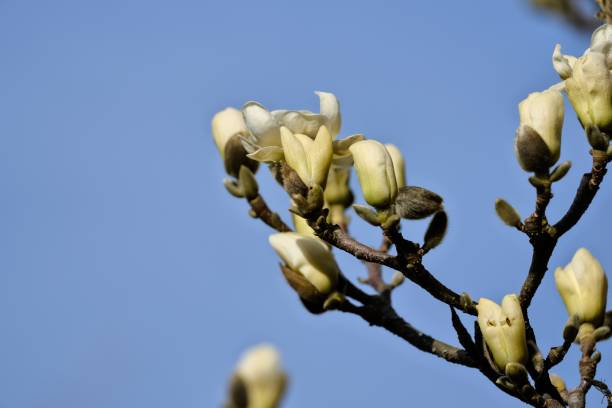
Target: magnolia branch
377,311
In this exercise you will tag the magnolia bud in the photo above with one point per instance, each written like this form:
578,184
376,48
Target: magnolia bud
301,225
503,329
337,189
225,124
398,165
374,168
227,128
583,287
309,257
589,90
261,378
310,159
543,112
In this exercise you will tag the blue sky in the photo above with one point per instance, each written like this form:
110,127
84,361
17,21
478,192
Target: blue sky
130,278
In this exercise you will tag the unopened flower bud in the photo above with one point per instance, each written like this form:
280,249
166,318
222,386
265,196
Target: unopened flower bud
261,377
503,329
309,257
225,124
583,287
374,168
309,158
228,128
337,189
541,120
301,226
398,164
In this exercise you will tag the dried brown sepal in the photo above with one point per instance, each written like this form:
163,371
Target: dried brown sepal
597,139
248,183
531,151
237,393
312,299
517,373
233,188
436,231
415,203
235,156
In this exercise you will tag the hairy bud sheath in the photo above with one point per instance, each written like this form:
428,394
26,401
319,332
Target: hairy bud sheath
374,168
503,329
583,286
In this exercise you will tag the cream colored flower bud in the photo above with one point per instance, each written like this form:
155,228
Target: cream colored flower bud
583,287
225,124
374,168
543,112
262,375
337,190
503,329
301,226
589,90
399,167
308,256
310,159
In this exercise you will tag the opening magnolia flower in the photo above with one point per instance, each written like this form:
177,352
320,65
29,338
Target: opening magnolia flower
503,328
263,141
588,81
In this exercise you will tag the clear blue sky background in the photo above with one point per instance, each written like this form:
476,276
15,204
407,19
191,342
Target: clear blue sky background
130,278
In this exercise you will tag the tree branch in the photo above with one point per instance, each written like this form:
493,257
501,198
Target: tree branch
378,312
259,209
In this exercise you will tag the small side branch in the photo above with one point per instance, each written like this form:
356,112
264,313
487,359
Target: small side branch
259,209
378,312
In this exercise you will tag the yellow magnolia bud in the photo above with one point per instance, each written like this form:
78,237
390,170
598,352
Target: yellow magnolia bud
374,168
589,89
225,124
309,257
262,375
583,287
543,112
503,329
310,159
301,226
398,164
337,190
